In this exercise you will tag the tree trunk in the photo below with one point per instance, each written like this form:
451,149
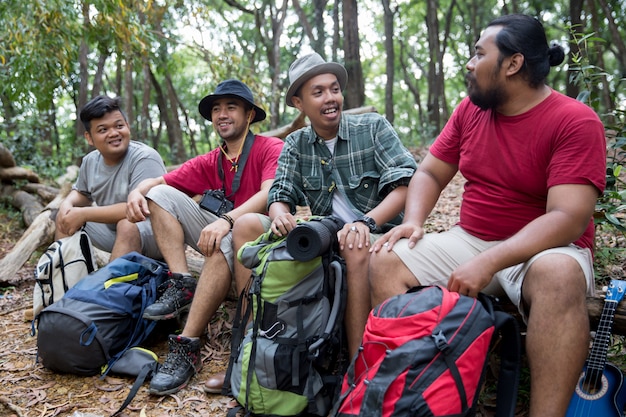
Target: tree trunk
575,11
83,73
174,130
435,65
355,90
390,67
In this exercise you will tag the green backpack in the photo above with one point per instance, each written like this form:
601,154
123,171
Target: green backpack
290,357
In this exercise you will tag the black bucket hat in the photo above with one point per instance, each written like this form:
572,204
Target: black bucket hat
230,88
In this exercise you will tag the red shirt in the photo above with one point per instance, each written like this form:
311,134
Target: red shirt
510,162
201,173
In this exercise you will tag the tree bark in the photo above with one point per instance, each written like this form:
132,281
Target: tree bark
390,60
40,232
28,204
355,90
6,157
18,173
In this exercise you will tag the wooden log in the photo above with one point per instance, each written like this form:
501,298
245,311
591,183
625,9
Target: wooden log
40,232
46,192
6,158
28,204
595,305
283,131
18,173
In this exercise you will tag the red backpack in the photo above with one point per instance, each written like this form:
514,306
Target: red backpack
424,354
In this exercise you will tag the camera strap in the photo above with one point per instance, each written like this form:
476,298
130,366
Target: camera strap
247,145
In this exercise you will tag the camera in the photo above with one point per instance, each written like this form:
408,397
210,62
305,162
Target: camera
311,239
215,202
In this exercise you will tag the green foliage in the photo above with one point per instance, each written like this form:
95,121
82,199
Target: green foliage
609,215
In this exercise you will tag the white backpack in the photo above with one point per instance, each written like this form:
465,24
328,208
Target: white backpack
62,265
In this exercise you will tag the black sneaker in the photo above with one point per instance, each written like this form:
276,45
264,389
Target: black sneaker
175,300
183,361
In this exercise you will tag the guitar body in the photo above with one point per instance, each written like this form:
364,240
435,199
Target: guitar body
600,389
608,400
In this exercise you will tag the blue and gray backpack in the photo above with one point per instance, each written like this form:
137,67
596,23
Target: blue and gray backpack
99,319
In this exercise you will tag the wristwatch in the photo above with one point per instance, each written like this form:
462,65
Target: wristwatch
369,222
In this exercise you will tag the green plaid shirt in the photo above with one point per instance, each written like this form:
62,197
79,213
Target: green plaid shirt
368,163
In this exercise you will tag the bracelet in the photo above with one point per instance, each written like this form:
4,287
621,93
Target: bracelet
228,219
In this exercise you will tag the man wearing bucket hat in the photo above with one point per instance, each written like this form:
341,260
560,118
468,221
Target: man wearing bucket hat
242,168
351,166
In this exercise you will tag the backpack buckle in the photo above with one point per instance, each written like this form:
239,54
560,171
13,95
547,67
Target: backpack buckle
440,341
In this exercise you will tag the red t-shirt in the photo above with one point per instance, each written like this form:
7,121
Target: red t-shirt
510,162
201,173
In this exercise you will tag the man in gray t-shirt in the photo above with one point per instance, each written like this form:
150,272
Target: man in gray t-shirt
107,174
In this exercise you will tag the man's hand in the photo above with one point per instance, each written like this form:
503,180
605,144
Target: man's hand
283,223
136,207
353,235
212,235
70,220
472,276
409,231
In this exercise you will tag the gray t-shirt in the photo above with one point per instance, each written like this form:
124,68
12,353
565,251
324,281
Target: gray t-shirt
106,185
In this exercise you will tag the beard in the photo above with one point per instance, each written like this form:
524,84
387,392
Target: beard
485,99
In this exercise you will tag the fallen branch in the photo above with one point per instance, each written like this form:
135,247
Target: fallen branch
40,232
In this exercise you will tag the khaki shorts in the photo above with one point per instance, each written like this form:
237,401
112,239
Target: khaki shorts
436,255
191,217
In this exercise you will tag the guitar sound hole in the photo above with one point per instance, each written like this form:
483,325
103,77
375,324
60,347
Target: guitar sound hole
592,390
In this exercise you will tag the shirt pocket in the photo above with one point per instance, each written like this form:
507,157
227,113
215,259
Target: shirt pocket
311,184
364,188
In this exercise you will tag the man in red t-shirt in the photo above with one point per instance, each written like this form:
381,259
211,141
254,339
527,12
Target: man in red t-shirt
243,169
534,161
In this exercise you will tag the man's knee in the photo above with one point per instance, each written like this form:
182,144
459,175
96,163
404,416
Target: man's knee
555,271
388,276
126,229
247,228
555,278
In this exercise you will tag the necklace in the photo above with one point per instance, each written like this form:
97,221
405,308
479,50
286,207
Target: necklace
234,162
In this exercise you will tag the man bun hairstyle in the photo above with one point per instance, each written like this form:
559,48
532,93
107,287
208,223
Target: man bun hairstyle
526,35
98,107
556,54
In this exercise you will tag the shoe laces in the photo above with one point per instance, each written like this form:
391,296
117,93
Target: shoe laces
180,356
174,286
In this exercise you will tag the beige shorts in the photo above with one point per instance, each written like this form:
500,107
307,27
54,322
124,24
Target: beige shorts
191,217
436,255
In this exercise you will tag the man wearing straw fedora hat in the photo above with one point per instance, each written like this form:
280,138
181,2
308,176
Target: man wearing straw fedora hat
351,166
238,175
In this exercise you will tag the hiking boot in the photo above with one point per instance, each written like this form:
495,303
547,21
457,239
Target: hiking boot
183,361
175,300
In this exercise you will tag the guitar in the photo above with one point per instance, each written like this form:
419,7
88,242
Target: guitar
600,390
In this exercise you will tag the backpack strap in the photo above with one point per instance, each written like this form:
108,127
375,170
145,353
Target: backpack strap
508,377
237,335
85,247
147,370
